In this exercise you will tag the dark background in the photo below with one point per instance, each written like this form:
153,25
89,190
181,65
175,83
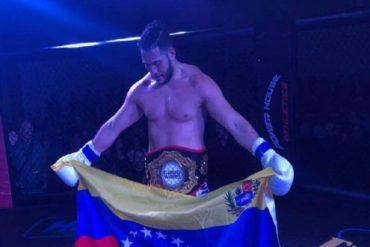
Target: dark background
320,49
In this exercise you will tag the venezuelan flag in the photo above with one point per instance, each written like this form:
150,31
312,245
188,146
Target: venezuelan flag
113,211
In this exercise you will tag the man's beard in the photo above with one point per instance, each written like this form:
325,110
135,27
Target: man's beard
168,74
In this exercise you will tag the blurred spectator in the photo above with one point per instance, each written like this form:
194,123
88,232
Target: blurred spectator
228,162
28,162
113,159
135,155
136,173
119,151
53,150
129,164
135,146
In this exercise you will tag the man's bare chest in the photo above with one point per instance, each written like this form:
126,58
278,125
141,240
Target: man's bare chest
180,105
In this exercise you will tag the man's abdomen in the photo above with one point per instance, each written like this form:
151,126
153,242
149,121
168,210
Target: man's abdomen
185,134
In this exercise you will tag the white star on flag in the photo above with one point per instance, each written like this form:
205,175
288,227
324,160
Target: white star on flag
146,232
160,235
126,243
177,241
134,233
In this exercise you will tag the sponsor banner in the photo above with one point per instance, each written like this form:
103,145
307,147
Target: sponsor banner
276,112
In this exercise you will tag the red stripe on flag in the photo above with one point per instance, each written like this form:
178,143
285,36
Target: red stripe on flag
85,241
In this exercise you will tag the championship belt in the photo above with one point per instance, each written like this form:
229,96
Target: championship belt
177,170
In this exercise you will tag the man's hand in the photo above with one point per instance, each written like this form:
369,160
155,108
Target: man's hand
86,155
281,183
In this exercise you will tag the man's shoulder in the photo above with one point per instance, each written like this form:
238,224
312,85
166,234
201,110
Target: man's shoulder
144,82
201,81
140,85
196,76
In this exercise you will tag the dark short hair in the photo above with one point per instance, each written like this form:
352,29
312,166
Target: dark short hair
155,35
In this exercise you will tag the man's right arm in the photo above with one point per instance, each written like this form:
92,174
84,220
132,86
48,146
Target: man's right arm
128,114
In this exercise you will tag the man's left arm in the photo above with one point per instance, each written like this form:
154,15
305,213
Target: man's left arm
243,132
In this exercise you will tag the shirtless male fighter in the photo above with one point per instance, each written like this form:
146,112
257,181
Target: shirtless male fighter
175,97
